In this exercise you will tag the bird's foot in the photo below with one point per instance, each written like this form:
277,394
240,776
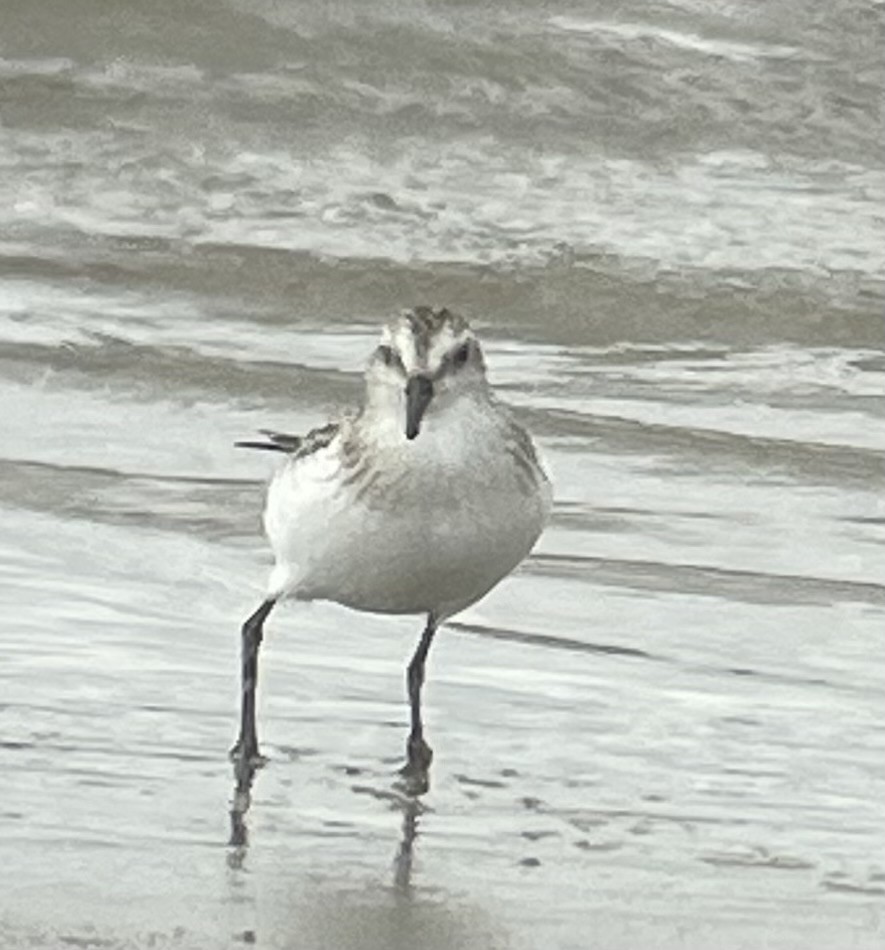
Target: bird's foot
415,774
247,760
246,755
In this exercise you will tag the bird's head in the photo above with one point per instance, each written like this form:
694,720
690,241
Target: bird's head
426,361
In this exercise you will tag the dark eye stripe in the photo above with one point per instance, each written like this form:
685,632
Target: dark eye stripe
388,356
461,355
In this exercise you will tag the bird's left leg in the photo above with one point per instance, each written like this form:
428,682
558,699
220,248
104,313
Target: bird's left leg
418,752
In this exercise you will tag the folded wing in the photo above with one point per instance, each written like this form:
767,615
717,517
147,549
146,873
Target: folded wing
294,445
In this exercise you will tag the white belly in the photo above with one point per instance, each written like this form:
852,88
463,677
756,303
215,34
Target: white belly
419,561
432,539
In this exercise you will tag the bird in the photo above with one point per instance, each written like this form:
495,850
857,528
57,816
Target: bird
419,503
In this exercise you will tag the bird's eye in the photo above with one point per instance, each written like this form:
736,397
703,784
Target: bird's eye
388,357
462,354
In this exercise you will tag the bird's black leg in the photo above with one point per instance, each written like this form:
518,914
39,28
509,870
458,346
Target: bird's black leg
245,753
246,749
418,752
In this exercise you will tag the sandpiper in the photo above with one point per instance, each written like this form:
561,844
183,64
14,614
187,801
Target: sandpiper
419,503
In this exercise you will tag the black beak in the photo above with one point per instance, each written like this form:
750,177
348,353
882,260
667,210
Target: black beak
419,392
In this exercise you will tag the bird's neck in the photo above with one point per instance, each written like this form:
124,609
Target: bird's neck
444,427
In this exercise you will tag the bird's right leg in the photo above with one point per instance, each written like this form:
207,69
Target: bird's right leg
245,752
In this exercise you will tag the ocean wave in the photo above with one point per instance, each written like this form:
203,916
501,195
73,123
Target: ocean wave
693,42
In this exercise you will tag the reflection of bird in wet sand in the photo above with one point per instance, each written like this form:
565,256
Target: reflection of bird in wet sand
418,504
402,864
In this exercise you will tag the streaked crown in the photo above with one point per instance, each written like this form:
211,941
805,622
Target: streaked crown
427,361
434,342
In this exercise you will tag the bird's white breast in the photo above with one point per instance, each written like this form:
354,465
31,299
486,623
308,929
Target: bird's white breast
429,526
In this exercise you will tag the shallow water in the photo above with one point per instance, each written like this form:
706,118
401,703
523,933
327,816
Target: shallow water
665,730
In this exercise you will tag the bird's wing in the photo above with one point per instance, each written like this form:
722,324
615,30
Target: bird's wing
294,445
